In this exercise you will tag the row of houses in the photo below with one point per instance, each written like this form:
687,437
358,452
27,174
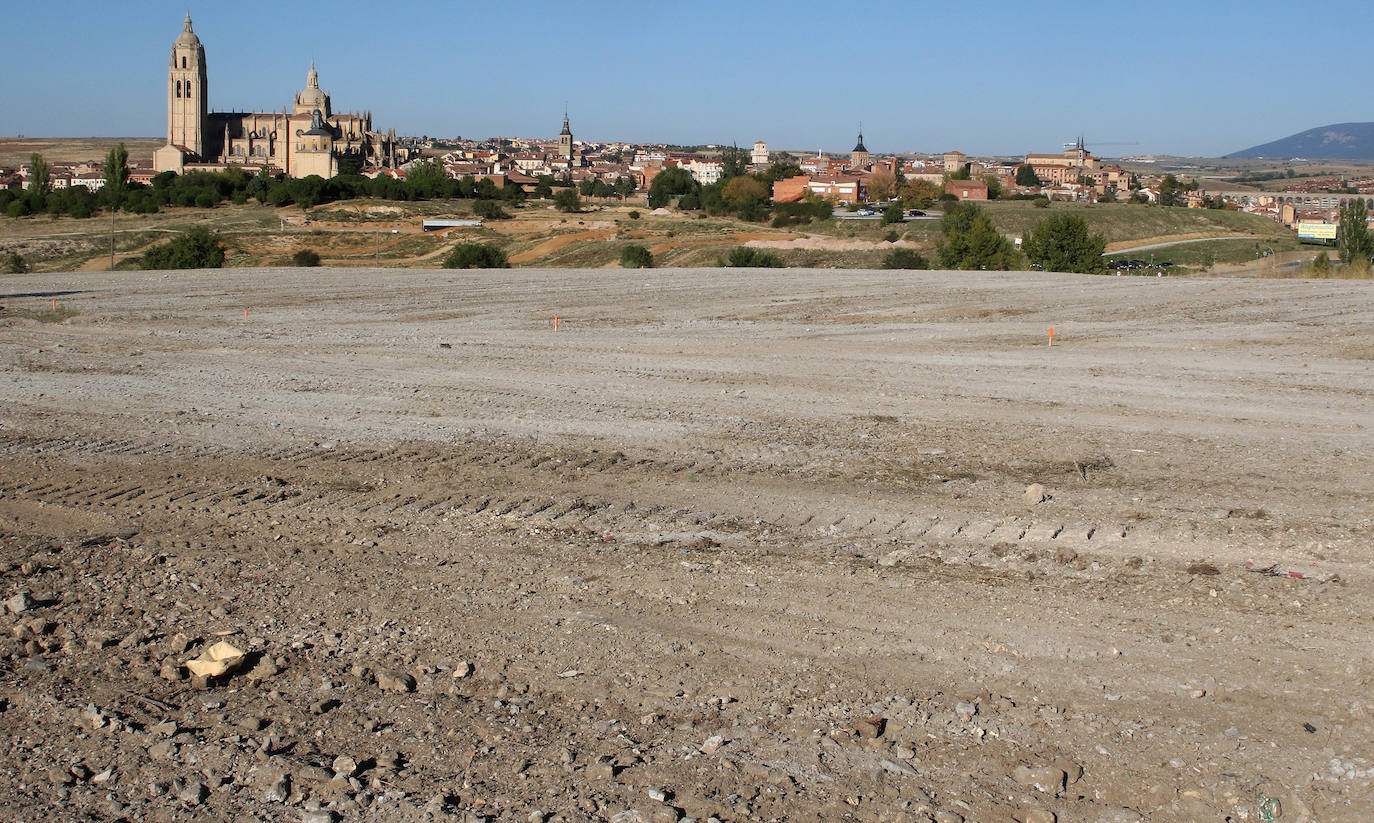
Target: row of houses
90,174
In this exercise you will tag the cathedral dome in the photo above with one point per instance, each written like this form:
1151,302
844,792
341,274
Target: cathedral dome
188,36
311,97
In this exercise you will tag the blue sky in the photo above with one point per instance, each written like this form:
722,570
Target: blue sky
1205,77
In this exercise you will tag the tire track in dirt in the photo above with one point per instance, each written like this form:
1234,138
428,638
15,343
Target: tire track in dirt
524,488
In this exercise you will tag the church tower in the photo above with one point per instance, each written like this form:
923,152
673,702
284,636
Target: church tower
187,93
565,140
859,157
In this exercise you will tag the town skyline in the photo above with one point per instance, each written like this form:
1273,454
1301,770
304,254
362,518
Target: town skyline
659,76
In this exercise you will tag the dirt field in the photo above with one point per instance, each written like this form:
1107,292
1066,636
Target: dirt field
750,545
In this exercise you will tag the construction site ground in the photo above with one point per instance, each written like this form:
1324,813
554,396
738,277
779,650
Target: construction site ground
804,545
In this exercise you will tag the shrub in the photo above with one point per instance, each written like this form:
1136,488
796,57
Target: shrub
195,248
894,214
15,264
781,221
1321,264
892,237
476,256
1041,202
636,257
306,258
634,215
743,257
904,259
206,200
489,209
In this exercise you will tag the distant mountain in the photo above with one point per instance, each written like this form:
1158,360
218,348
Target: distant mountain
1343,141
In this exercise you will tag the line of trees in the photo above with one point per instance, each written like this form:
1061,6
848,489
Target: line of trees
205,189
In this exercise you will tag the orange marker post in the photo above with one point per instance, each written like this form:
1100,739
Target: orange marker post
1051,335
54,303
245,312
555,322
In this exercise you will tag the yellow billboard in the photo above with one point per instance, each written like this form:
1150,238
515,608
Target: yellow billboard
1316,231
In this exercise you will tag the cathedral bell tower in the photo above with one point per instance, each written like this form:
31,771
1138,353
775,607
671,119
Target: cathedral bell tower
187,93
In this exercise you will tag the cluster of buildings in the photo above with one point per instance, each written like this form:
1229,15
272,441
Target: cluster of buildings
90,174
308,137
1074,174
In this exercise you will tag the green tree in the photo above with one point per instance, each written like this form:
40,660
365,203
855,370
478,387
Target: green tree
566,200
117,173
1353,239
734,162
1170,191
965,172
744,192
489,210
1062,243
15,264
635,256
994,186
780,171
894,214
970,241
476,256
671,182
40,179
195,248
1026,176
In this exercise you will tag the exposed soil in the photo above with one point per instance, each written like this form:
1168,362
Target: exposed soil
743,544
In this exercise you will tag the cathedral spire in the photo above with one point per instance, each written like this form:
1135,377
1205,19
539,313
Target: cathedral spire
312,79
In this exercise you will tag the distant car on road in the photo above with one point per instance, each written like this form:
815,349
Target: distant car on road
865,212
915,213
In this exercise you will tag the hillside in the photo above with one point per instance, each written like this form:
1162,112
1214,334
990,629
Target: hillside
1342,141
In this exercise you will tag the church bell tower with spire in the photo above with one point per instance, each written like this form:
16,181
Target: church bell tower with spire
859,158
565,140
187,93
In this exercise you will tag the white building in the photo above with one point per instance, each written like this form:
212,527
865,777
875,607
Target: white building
705,172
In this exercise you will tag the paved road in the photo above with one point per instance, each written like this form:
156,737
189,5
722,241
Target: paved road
1134,249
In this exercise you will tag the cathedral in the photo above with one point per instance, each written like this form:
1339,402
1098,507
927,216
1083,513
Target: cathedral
305,138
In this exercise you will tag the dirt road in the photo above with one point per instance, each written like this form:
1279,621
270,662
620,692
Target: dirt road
751,545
